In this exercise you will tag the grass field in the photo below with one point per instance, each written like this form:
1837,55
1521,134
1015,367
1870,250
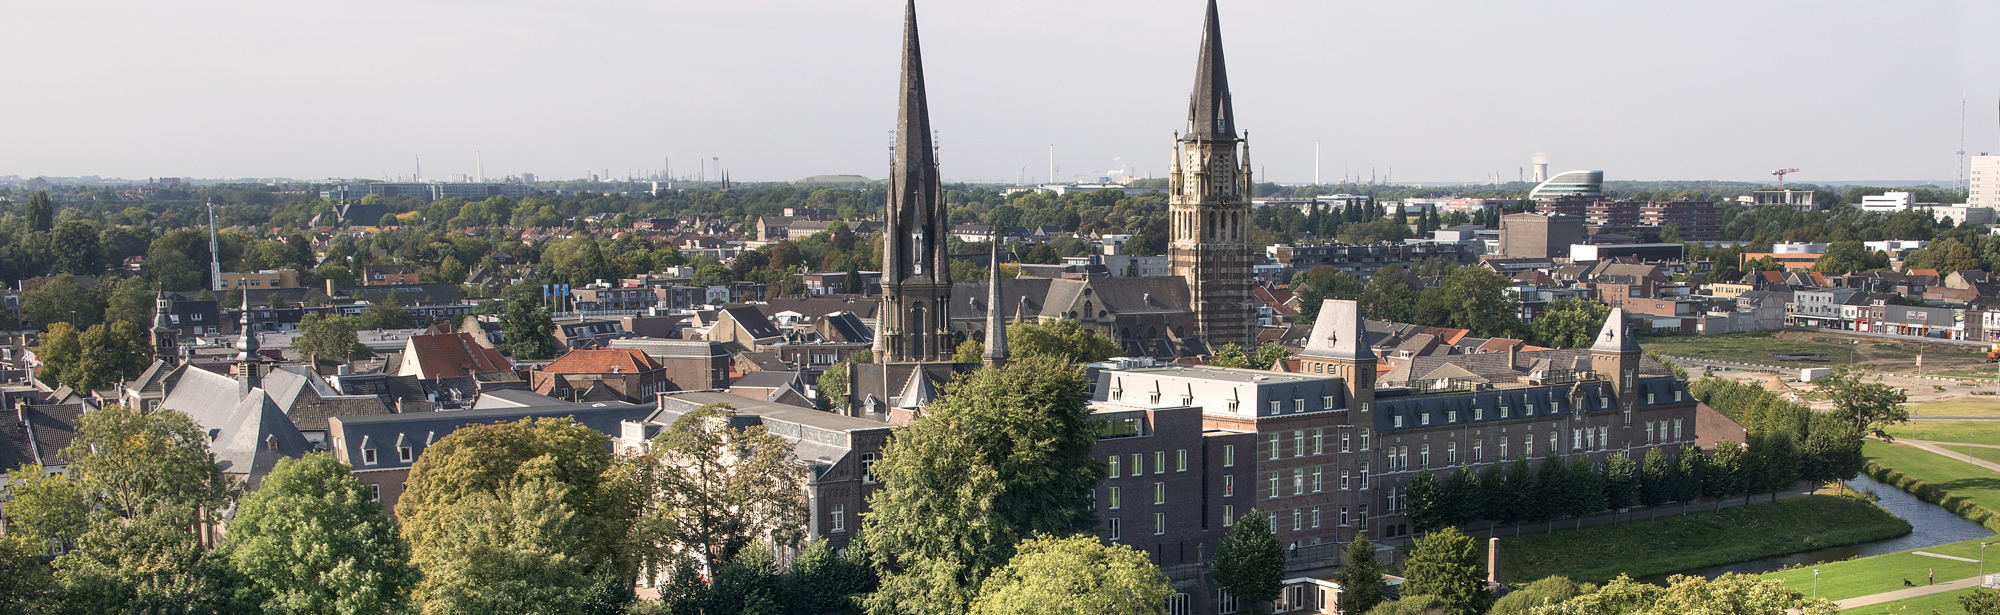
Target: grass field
1885,573
1962,479
1946,602
1978,452
1750,348
1738,534
1983,432
1957,408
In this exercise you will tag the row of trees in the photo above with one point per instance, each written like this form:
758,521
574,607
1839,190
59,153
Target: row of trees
1435,293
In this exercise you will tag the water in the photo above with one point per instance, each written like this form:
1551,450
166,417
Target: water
1930,526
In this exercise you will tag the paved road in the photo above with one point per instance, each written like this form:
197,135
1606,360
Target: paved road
1926,590
1932,446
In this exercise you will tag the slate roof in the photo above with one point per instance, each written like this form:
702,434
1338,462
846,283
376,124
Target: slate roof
1493,367
248,432
36,433
766,380
309,401
420,430
753,322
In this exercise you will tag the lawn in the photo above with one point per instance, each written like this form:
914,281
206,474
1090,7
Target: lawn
1962,479
1983,432
1956,408
1737,534
1884,573
1946,602
1978,452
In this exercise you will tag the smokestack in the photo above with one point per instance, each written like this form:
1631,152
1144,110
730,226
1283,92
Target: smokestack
1492,562
1541,163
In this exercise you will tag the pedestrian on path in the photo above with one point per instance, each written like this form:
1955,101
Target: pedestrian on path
1933,574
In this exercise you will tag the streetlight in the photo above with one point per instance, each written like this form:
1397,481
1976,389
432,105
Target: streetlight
1982,562
1815,583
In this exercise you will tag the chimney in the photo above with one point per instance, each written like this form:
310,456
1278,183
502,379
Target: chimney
1510,357
1492,562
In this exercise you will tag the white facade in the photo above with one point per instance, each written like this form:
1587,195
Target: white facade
1985,185
1894,247
1798,248
1961,214
1888,202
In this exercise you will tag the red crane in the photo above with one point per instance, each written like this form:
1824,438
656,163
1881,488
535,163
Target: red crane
1781,176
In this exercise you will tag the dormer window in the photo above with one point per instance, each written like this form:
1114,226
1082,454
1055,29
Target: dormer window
368,456
405,454
271,442
1398,420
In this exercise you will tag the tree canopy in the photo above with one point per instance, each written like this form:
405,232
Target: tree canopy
1077,575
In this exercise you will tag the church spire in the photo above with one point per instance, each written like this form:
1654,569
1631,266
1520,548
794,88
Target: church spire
247,359
1209,113
913,325
996,354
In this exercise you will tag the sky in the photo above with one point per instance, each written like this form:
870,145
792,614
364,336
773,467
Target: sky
1438,91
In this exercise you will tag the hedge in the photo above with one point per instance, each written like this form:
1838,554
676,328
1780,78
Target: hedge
1935,495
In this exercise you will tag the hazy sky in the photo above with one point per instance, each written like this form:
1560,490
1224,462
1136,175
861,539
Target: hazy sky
782,89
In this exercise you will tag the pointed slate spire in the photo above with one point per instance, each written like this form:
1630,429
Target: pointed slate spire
1209,113
913,187
995,354
247,359
1613,337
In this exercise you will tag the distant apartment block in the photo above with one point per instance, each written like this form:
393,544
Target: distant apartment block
1984,189
269,278
1539,235
1801,200
473,191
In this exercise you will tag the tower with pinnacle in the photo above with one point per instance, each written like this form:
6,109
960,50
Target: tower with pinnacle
248,361
166,339
1209,204
913,324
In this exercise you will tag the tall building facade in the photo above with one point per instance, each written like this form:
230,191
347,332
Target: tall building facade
1984,187
1209,204
916,274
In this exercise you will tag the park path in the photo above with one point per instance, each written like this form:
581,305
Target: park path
1932,446
1861,601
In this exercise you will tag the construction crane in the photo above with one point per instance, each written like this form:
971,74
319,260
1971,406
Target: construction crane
1781,176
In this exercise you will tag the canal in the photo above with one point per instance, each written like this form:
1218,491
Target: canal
1930,526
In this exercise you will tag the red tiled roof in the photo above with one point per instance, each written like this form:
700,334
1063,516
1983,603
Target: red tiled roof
455,355
603,361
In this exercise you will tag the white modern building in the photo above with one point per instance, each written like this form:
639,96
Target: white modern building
1984,189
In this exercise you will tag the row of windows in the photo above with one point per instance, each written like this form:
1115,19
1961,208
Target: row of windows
403,453
1310,517
1307,442
1113,499
1584,438
1277,405
1303,480
1138,465
1114,527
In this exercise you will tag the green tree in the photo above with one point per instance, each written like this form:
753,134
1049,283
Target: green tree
1831,451
1586,489
1445,564
95,358
733,485
1361,583
1980,601
1569,323
1621,480
1268,355
1250,564
1078,575
41,212
1390,295
60,300
331,338
1777,461
1870,406
1654,478
968,351
517,549
1428,509
131,301
1729,593
550,482
73,247
529,329
1724,476
149,481
386,315
1063,338
824,582
1691,470
1005,455
48,510
1548,590
25,584
311,540
1230,355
